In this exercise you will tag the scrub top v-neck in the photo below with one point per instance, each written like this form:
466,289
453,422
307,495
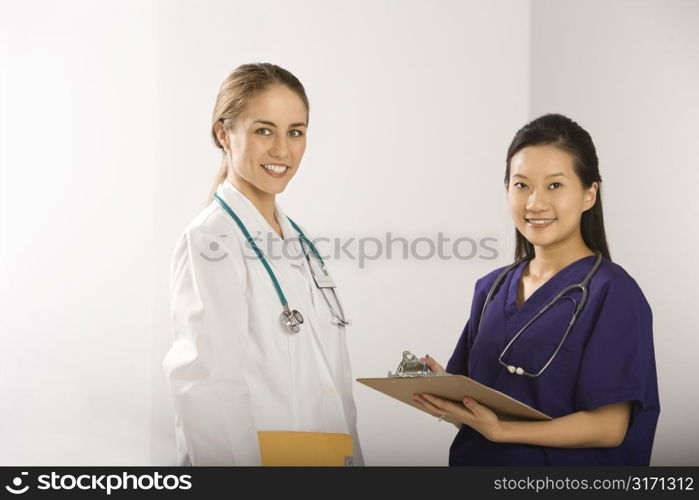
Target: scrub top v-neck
607,358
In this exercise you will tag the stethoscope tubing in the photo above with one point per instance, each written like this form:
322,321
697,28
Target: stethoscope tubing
340,319
337,318
258,252
583,286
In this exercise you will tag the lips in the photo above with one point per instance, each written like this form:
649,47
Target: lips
275,169
540,223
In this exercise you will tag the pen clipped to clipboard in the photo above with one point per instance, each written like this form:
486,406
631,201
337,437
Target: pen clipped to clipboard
413,377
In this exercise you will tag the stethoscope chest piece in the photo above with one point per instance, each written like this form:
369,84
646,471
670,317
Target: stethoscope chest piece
292,320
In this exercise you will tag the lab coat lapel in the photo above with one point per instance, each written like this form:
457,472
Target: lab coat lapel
293,250
297,265
266,239
304,296
286,259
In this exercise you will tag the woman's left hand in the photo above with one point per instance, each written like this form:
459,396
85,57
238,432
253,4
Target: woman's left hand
481,418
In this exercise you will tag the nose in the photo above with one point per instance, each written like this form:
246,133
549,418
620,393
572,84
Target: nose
280,147
537,201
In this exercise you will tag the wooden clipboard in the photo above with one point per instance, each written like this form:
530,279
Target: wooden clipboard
455,388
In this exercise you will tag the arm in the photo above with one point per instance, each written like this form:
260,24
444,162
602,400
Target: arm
204,365
604,426
601,427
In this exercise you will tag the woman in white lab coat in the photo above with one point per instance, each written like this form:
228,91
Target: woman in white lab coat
235,369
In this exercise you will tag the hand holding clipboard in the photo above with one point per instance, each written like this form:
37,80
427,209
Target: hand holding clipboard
412,380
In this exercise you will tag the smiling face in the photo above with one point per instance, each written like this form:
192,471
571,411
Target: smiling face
265,145
547,198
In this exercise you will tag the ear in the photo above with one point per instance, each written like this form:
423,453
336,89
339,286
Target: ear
590,196
221,134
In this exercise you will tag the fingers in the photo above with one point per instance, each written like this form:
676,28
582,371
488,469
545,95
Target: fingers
439,407
472,405
432,364
429,407
444,405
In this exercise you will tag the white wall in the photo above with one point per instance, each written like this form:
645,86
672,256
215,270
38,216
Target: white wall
105,156
628,71
77,172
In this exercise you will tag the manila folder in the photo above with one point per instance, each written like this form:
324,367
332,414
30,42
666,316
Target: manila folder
288,448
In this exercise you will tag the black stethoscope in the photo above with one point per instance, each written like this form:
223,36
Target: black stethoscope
292,319
518,370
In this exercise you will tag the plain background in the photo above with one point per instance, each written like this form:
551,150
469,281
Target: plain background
105,157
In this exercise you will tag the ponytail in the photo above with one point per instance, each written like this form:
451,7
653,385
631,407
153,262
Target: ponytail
220,177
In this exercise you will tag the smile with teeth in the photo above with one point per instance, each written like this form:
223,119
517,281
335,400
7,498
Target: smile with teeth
275,168
540,222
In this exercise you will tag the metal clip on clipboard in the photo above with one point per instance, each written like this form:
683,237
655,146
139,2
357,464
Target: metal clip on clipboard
414,377
411,366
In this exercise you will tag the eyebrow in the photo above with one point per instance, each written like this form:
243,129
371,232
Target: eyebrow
557,174
272,124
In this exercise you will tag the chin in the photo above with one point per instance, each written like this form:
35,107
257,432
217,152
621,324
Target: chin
281,187
538,241
275,189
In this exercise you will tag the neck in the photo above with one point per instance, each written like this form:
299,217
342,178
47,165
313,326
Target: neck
263,202
551,259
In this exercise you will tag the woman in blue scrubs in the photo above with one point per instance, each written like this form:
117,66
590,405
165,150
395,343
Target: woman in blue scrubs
600,387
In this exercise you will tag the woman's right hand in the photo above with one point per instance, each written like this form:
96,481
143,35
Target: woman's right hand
432,364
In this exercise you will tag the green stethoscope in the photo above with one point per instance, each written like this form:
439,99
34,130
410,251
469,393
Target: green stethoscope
292,319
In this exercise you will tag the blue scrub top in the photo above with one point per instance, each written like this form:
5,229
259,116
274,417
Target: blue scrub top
607,358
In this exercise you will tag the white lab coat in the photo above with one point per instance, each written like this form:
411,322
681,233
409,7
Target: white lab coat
233,368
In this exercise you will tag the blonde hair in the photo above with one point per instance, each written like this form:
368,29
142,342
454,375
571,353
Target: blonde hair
245,82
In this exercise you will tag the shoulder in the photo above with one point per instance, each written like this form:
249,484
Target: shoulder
483,287
211,232
615,294
209,220
614,280
485,282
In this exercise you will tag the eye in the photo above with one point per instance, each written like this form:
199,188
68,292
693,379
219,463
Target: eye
555,185
295,133
520,185
263,131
